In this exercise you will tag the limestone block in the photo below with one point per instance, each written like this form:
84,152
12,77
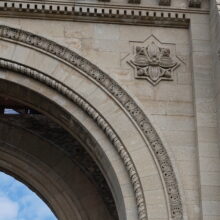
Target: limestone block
176,123
210,164
181,109
211,193
185,138
155,197
207,119
129,33
78,30
209,150
210,178
190,182
200,32
207,135
174,93
211,208
151,182
108,32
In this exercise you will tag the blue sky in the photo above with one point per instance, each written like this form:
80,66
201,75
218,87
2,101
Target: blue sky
17,202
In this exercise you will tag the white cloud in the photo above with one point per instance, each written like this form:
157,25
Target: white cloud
18,202
8,209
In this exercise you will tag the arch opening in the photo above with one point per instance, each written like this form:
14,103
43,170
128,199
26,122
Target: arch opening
63,88
42,122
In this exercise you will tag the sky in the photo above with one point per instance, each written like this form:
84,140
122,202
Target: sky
17,202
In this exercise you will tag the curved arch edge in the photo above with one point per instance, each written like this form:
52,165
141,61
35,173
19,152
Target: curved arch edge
129,105
100,121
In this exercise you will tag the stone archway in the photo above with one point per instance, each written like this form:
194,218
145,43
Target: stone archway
50,161
89,142
118,97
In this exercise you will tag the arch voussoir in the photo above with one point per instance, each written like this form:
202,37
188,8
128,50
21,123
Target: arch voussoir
119,95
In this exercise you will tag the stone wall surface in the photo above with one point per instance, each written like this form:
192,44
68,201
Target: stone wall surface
210,176
183,109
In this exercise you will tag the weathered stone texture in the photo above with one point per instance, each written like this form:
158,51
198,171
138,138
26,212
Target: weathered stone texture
183,107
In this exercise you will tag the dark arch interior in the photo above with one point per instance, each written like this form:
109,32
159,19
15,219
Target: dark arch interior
22,114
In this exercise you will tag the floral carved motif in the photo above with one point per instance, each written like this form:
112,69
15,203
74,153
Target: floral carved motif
153,63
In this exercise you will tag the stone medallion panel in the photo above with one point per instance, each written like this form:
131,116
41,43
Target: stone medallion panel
153,60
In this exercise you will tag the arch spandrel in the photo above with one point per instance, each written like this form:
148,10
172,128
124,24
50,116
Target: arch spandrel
114,117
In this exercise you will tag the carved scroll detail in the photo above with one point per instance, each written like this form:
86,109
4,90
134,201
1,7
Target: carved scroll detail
129,106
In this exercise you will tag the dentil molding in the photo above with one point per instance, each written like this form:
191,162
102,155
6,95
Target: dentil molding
117,14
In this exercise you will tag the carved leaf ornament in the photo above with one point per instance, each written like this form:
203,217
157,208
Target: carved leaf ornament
153,63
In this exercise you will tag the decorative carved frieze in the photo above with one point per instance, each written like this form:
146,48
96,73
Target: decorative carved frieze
195,3
117,93
165,2
134,1
94,13
153,62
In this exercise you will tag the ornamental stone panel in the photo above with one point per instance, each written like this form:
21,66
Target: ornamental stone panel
153,62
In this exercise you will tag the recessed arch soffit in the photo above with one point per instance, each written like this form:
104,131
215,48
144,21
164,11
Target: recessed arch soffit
59,209
118,94
54,134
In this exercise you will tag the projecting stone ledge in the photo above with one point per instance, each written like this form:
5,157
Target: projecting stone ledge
195,3
165,2
134,1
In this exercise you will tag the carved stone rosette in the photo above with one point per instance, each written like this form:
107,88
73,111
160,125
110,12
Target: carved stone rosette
153,63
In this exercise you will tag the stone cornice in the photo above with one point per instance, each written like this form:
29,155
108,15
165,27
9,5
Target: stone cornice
157,16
